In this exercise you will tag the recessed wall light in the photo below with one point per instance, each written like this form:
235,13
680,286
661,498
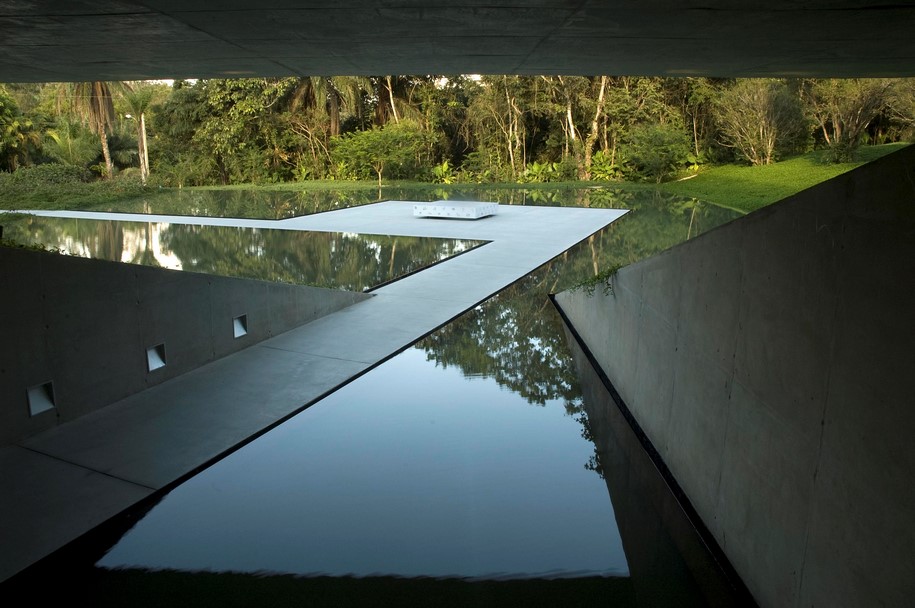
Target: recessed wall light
155,357
240,326
41,398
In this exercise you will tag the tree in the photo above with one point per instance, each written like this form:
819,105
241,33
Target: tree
71,144
328,97
593,132
657,150
629,102
92,102
397,146
901,110
179,157
138,102
696,99
315,112
844,108
18,135
759,118
498,115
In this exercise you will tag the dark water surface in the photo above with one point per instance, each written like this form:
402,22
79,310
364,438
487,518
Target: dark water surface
355,262
481,467
277,205
412,470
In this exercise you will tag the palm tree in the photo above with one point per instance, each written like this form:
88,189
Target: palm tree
138,102
329,96
69,143
394,96
92,103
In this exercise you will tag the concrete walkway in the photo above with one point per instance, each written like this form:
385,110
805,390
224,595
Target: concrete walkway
61,483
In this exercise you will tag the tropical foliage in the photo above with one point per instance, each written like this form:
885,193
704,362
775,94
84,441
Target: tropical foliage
443,129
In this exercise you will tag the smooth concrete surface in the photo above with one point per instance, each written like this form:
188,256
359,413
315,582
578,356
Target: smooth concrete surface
46,501
669,563
152,438
85,326
770,363
79,40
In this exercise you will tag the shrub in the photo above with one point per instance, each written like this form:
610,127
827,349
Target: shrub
49,174
654,151
603,168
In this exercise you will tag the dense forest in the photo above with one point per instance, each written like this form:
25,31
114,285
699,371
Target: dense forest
441,129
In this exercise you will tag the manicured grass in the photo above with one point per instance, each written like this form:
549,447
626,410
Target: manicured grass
747,188
742,188
70,195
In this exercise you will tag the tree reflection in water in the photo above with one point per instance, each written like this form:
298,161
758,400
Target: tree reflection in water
517,337
325,259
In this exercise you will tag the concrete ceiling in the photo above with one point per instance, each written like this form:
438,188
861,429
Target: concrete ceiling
58,40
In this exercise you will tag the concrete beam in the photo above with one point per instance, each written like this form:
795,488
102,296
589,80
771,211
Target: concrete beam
63,40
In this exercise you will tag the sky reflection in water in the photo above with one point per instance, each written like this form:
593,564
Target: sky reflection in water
462,457
411,470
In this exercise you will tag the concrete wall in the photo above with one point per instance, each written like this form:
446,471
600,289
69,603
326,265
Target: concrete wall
669,564
84,325
771,362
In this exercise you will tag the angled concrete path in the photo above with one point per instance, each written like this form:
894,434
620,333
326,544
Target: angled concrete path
61,483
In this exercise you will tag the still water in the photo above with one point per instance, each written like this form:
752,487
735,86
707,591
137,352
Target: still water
355,262
412,470
276,205
476,468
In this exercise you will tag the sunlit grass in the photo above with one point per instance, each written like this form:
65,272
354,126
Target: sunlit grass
742,188
748,188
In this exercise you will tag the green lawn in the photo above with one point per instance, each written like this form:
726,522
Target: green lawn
749,188
742,188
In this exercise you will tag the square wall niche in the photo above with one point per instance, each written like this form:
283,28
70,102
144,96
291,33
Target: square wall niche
240,326
155,357
41,398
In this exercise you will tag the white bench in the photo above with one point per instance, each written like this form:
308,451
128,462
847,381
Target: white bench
465,210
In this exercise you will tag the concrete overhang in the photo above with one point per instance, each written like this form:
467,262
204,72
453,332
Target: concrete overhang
74,40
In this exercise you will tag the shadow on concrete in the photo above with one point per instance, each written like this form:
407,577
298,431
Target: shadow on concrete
669,561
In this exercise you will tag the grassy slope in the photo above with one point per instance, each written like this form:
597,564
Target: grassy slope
738,187
749,188
75,195
742,188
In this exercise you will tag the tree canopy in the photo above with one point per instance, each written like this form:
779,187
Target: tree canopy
454,128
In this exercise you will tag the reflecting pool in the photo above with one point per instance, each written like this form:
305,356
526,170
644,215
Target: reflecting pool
412,470
355,262
281,204
479,467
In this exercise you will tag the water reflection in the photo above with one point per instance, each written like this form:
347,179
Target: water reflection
669,561
264,204
326,259
435,464
518,339
472,455
411,470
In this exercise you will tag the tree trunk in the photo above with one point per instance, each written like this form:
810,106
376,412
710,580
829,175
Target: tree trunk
143,152
109,167
333,111
594,132
391,97
510,136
